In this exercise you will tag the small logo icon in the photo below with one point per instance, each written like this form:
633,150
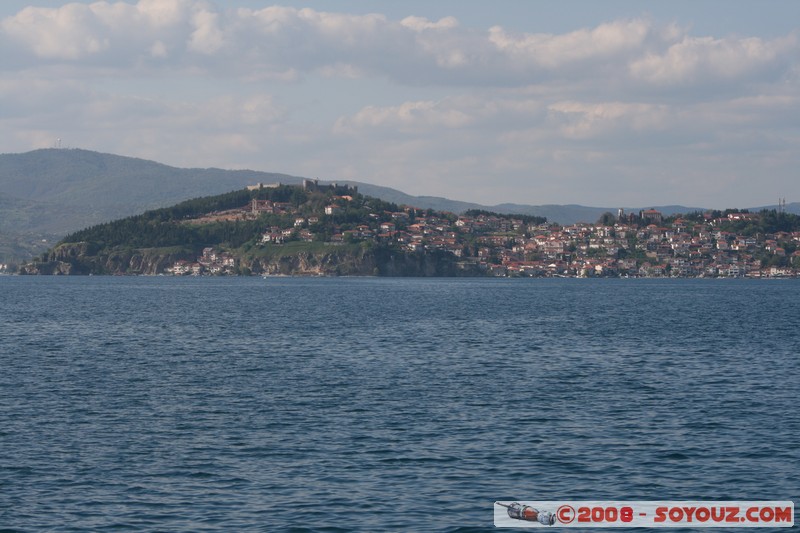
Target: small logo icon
565,514
527,513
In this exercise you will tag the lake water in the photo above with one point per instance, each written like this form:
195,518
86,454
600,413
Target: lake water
249,404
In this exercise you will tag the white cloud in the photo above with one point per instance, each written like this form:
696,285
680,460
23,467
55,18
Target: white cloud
207,37
581,120
68,33
553,51
195,36
161,13
410,117
420,24
702,59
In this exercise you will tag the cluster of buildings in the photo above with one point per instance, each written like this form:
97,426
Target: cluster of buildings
628,248
628,245
211,262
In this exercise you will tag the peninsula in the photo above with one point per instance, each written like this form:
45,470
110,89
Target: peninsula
330,229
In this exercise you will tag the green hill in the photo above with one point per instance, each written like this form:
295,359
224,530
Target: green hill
45,194
286,229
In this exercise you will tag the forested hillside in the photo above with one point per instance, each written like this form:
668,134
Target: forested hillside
283,229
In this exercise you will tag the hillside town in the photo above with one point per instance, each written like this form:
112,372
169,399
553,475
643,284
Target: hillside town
642,244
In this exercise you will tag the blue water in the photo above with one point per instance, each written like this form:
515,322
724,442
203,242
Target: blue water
244,404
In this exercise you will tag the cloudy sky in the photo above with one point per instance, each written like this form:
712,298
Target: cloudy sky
606,103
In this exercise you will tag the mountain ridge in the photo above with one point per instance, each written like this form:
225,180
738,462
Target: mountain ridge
49,192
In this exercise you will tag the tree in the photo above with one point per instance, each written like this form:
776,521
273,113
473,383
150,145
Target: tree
607,219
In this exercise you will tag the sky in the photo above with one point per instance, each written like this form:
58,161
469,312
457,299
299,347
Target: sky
599,103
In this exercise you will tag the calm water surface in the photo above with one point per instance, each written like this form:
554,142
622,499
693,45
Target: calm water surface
239,404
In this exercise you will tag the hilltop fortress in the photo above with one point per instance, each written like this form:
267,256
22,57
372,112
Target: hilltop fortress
311,186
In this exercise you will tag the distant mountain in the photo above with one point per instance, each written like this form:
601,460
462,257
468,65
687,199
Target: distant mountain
561,214
44,194
89,187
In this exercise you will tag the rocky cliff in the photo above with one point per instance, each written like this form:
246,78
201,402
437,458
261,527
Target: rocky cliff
83,258
87,258
333,263
365,262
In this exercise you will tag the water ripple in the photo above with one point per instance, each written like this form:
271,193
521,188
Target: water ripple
146,404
